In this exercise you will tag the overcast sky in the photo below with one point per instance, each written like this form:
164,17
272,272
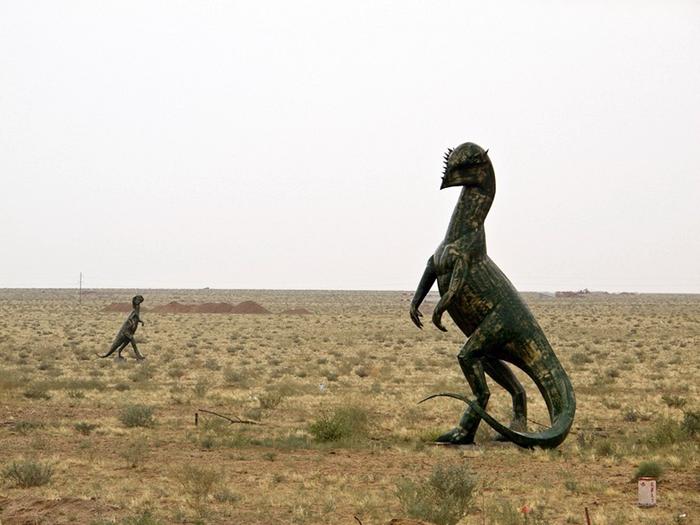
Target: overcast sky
299,144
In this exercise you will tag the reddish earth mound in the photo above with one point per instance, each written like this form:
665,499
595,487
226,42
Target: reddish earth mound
214,308
249,307
62,511
296,311
246,307
174,308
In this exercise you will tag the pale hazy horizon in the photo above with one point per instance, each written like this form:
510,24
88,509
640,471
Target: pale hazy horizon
273,145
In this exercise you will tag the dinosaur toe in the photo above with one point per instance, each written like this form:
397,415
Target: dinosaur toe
456,436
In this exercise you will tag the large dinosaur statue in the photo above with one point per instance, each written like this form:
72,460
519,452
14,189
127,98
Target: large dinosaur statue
127,331
487,308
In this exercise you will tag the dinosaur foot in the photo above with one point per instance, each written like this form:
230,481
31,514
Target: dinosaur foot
140,358
456,436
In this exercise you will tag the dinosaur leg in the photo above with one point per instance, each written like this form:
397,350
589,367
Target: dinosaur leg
121,348
504,376
118,344
473,371
136,350
485,338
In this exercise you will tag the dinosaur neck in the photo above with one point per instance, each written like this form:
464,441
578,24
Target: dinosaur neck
469,214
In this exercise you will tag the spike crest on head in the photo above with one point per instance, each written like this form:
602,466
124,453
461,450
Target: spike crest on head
464,159
446,159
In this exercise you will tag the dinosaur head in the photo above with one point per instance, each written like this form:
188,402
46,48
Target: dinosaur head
137,300
466,165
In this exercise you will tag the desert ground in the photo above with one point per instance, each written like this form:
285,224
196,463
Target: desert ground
327,429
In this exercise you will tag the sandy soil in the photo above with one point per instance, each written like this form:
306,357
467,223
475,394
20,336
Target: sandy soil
633,360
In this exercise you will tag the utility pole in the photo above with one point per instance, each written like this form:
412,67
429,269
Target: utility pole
80,289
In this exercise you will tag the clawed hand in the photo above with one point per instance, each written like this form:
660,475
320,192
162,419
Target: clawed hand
437,319
415,316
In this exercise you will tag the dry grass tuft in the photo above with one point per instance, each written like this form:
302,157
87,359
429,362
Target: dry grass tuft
444,498
28,473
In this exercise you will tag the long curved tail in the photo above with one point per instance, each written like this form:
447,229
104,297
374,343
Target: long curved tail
549,438
112,349
558,393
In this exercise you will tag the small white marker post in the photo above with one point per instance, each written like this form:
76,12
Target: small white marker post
646,491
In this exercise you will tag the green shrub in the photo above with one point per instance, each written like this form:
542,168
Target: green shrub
649,469
25,427
145,517
361,371
225,495
507,514
74,384
605,448
666,432
137,416
430,434
197,484
75,394
85,428
691,423
342,423
238,378
270,400
28,473
201,387
581,358
143,373
331,376
236,440
176,372
135,452
571,485
443,498
37,392
212,364
207,441
10,379
674,401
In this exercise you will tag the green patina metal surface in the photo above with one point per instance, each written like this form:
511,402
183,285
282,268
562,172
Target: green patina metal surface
487,308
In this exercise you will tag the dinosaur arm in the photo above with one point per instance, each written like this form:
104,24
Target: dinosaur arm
426,282
459,273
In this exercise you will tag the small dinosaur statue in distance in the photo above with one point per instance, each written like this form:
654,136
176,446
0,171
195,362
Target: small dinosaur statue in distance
127,331
486,307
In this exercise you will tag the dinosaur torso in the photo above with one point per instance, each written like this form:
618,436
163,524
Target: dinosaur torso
131,323
485,289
